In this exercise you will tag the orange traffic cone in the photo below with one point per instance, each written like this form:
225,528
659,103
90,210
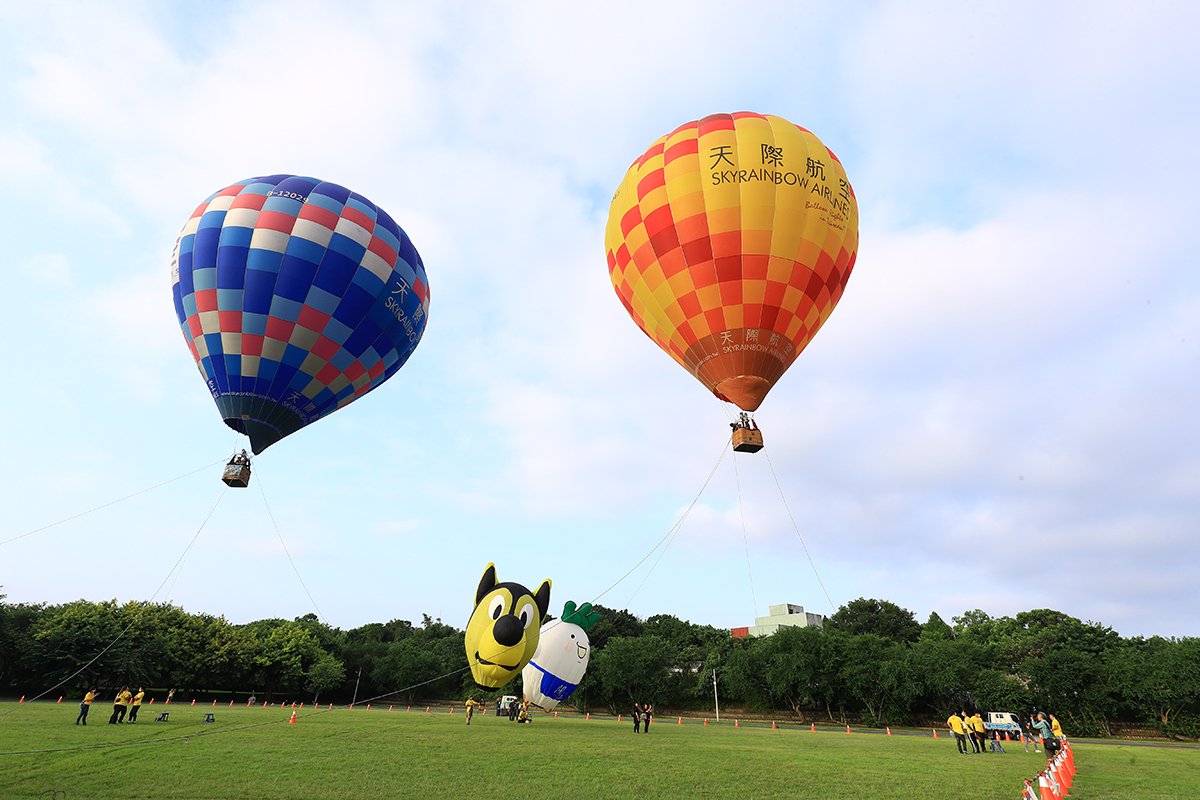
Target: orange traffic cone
151,701
1007,736
426,709
556,716
292,721
214,705
847,729
193,701
60,697
1057,776
889,730
408,709
231,704
774,726
330,707
618,716
369,707
737,723
389,708
706,722
589,715
22,698
935,733
1029,793
812,727
681,720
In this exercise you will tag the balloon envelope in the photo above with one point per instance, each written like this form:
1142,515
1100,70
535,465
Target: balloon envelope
296,297
729,242
558,665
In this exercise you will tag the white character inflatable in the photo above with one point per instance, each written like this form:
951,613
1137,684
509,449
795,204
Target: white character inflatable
561,657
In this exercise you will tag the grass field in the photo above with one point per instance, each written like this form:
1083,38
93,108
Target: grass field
255,753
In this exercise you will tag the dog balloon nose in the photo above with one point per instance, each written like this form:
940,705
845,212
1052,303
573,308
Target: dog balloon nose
508,630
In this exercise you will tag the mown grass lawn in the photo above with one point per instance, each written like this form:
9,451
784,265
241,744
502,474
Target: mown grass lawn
255,753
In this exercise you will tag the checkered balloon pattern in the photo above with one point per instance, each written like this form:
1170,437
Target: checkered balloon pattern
729,243
296,297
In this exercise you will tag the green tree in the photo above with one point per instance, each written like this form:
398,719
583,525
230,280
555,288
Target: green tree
1160,677
613,623
935,628
284,652
878,617
876,673
634,670
326,672
17,623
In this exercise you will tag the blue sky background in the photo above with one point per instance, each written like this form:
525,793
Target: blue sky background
1001,414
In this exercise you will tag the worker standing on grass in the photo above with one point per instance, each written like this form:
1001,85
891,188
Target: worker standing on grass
85,705
1030,737
958,728
136,704
119,702
978,732
472,704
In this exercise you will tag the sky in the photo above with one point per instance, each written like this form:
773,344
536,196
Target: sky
1000,414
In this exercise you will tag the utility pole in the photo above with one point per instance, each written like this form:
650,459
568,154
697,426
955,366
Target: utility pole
716,705
356,680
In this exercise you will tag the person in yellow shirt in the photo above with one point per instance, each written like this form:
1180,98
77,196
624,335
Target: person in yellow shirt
978,732
85,706
119,703
136,704
956,726
1055,727
472,704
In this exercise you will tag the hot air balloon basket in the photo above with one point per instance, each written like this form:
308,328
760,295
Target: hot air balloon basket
236,475
747,440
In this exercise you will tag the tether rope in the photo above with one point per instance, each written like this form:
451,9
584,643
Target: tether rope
288,553
671,531
737,480
136,617
110,503
678,526
800,536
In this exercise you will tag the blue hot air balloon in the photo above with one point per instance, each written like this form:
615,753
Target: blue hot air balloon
296,297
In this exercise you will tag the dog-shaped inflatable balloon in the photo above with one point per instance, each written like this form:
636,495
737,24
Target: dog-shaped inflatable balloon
503,631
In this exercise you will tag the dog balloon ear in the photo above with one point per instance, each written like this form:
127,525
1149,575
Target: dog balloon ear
486,583
542,596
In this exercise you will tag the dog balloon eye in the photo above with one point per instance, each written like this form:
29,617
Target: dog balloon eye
526,618
497,608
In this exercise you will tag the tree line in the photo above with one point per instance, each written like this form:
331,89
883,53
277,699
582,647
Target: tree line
872,663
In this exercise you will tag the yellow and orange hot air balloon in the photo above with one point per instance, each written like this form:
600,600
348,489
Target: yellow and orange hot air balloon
729,242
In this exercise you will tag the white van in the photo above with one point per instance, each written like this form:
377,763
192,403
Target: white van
1003,721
